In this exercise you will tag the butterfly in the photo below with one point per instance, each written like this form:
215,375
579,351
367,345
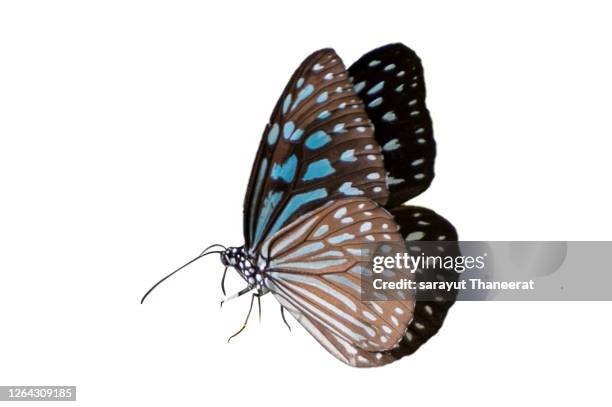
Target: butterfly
343,149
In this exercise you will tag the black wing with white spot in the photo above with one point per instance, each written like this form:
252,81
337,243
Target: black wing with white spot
421,224
318,146
390,82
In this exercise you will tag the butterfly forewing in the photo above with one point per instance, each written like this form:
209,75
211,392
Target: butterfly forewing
315,266
390,82
318,146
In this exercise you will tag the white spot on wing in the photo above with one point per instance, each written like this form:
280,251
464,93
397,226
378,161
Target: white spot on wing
415,235
391,145
365,227
340,238
317,67
340,213
321,230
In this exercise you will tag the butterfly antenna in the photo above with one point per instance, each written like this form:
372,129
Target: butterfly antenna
247,317
204,253
211,246
284,319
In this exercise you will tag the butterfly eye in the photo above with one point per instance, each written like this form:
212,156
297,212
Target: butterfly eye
225,259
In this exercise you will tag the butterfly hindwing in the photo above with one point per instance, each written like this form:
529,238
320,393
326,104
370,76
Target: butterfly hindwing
390,81
318,146
419,224
314,268
335,344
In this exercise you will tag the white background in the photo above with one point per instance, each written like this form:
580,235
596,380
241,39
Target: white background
128,130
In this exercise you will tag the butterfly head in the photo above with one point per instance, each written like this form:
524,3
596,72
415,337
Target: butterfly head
238,258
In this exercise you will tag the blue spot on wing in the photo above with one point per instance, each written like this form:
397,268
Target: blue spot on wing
391,145
288,129
255,199
273,134
324,114
291,133
295,203
272,199
375,102
304,93
318,169
296,135
285,171
348,156
376,88
286,103
359,87
390,116
317,140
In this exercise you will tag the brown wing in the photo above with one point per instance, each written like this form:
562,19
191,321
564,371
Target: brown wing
318,146
315,267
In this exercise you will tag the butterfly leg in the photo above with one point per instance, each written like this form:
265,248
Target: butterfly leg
223,281
283,316
247,317
238,294
258,305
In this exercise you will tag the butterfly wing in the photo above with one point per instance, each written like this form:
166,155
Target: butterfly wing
421,224
319,145
390,82
314,268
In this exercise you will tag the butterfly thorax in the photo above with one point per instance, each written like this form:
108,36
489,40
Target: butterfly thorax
246,266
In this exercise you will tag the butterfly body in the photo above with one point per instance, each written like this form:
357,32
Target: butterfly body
246,266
